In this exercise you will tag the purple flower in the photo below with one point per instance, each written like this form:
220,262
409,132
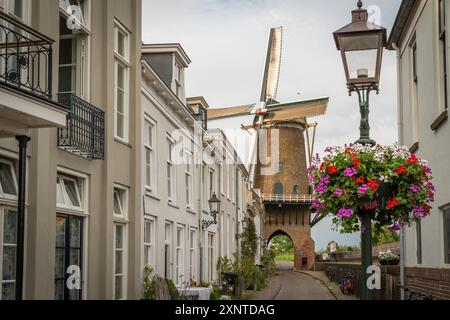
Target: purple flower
345,213
430,197
350,172
320,188
312,168
329,150
338,192
397,226
363,189
325,180
414,188
419,211
428,169
431,186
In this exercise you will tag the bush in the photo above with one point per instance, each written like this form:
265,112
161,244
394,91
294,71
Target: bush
268,262
149,283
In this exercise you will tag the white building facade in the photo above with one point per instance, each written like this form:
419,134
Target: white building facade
422,41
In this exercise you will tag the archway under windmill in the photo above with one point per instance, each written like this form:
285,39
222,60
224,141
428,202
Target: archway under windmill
294,222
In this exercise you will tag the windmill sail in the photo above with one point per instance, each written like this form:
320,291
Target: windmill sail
273,65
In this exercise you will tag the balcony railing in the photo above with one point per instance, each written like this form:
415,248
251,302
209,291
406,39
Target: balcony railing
84,134
287,198
25,57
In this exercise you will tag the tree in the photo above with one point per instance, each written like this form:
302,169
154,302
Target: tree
282,245
384,236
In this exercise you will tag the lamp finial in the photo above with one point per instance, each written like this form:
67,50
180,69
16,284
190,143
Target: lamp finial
360,4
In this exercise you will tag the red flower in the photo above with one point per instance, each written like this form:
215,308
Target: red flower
401,170
373,185
413,159
356,163
427,208
359,180
332,169
392,203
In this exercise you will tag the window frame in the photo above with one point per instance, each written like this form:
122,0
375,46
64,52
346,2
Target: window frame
26,10
80,192
3,209
152,188
124,260
180,255
189,181
171,168
120,28
121,190
150,246
446,218
192,252
126,100
4,195
443,52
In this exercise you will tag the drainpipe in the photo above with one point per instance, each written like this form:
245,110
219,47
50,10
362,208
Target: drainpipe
236,239
201,232
401,142
23,143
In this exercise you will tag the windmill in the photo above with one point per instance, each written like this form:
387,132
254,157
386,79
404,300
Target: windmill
283,179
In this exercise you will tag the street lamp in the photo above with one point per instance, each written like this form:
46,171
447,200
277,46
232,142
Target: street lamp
214,209
361,44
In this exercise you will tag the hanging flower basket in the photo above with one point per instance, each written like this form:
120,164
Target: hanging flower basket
387,182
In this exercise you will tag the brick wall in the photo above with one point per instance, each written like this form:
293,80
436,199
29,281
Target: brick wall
435,282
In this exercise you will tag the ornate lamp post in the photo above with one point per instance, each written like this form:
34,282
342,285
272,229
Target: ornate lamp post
361,44
214,209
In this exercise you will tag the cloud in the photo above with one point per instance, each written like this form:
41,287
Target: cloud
227,42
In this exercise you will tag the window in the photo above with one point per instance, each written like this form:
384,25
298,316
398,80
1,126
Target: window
447,236
119,262
227,236
443,50
188,180
419,241
178,75
279,167
8,182
192,256
68,192
149,242
8,252
211,183
278,189
19,9
415,92
167,251
69,257
229,181
171,178
296,189
211,266
222,181
179,266
74,46
150,155
121,83
120,202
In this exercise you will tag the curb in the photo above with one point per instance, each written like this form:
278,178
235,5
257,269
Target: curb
321,281
279,289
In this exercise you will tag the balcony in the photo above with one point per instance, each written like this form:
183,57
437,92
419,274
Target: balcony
287,198
84,134
26,80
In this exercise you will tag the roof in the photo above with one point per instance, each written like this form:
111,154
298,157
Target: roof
175,48
404,13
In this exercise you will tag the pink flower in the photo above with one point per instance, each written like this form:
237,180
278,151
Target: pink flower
345,213
363,189
350,172
338,192
414,188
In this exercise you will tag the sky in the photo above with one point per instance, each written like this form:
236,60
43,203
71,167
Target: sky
227,43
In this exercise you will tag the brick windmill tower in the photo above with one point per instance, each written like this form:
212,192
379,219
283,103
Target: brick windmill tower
282,144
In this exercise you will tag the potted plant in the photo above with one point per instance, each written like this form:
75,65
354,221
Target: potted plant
387,258
389,183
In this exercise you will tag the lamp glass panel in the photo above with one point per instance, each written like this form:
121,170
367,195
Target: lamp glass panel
360,42
362,59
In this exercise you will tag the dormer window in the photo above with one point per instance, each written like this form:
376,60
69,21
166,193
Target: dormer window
178,77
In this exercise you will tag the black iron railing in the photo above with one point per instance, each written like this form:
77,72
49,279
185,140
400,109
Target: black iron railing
25,57
84,134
